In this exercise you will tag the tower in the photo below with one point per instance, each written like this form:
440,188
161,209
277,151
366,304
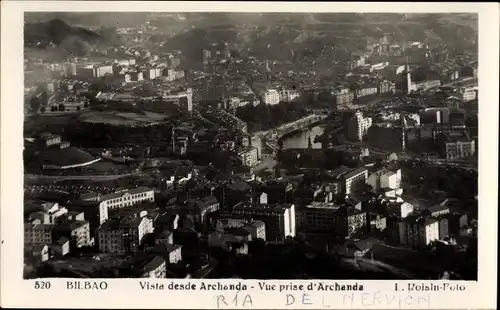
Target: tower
409,83
403,130
173,139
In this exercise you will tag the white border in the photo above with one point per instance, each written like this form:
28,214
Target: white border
16,292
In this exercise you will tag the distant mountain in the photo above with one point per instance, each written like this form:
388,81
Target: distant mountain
57,33
314,34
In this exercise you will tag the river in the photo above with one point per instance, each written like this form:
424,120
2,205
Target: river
300,140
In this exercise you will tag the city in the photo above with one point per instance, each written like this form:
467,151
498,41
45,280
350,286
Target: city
251,145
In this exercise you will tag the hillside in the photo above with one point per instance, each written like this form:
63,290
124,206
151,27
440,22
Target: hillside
277,35
57,34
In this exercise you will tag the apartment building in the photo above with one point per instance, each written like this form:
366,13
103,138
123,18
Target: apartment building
128,198
249,156
455,145
271,97
357,126
123,235
354,179
418,232
385,178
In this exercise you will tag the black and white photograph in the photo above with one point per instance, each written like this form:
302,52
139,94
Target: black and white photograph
285,146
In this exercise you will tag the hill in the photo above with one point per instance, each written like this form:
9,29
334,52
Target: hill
290,35
56,33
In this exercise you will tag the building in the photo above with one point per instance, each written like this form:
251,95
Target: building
97,71
70,69
228,236
94,211
287,95
166,236
77,232
319,217
152,73
343,100
134,77
202,207
366,91
36,253
386,86
418,232
61,246
443,228
357,126
271,97
376,221
384,178
49,139
155,268
455,145
434,115
467,93
123,235
249,156
354,180
125,62
205,56
439,209
257,229
128,198
172,253
401,209
182,98
349,221
279,219
37,234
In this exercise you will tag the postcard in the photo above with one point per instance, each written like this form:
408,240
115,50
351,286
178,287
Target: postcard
249,155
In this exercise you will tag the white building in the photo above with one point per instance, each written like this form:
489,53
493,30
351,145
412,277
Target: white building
358,126
271,96
354,179
125,62
128,198
385,178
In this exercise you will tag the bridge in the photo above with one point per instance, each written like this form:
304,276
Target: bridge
272,136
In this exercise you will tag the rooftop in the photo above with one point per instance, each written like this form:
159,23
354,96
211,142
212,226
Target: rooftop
355,172
138,190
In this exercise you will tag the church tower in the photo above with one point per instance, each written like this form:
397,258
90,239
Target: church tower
409,83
